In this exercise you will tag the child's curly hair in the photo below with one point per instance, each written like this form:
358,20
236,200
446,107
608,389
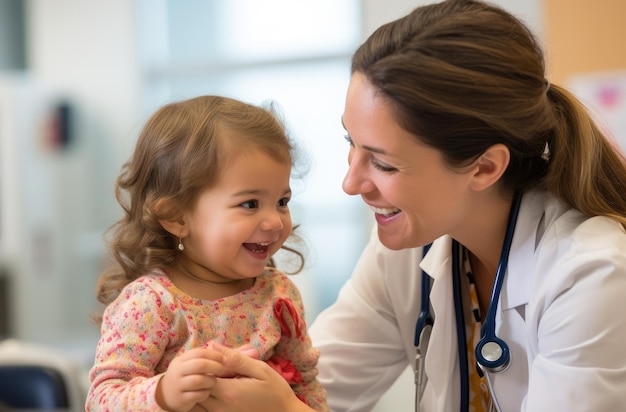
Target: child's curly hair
177,156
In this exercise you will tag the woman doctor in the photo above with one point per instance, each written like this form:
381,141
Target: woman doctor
457,139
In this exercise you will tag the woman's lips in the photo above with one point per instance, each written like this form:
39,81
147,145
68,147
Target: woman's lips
385,212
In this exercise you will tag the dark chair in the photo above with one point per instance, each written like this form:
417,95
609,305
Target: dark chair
32,387
36,377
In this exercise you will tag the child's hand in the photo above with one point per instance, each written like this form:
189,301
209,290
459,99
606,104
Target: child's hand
189,379
248,350
258,388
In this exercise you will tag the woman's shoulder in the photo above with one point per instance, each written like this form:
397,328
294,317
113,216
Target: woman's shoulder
575,245
567,228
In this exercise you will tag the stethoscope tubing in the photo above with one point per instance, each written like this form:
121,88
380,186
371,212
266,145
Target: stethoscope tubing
460,331
425,316
488,335
488,332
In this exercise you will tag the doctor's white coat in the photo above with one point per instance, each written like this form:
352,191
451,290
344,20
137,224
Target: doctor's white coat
562,313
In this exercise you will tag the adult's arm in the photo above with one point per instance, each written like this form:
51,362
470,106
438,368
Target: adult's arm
366,338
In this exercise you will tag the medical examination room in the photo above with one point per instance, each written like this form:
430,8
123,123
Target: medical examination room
79,80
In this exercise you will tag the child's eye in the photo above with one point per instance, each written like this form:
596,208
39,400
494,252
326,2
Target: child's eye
348,139
284,201
250,204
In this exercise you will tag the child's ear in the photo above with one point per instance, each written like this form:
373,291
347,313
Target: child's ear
490,166
176,226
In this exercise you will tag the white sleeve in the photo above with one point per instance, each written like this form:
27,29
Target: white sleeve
363,337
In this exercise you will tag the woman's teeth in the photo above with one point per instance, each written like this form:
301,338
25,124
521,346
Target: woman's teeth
385,211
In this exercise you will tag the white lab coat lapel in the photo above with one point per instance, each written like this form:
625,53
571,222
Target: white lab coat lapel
516,288
442,360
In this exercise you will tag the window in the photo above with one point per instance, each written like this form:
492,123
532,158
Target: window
295,54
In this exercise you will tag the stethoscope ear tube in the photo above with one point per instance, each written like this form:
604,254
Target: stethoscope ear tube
420,359
423,329
425,316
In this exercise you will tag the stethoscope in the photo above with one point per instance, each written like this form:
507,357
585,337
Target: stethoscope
492,353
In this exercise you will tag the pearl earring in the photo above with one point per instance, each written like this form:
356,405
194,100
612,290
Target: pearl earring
181,247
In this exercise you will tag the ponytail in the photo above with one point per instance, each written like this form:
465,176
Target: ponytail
460,86
586,170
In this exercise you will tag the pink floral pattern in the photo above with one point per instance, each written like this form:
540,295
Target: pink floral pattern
286,369
152,321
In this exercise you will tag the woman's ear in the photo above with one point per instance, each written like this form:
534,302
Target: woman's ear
490,166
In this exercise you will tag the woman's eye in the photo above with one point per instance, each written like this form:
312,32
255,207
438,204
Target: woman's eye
250,204
283,202
383,168
348,139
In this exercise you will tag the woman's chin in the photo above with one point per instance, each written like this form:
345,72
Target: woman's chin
393,241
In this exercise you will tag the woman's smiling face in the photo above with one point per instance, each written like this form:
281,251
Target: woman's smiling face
415,195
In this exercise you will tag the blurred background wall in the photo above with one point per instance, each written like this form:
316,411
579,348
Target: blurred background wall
78,79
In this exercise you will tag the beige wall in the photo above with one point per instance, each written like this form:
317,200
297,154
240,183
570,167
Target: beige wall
584,36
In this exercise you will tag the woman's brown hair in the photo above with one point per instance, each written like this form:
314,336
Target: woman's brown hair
464,75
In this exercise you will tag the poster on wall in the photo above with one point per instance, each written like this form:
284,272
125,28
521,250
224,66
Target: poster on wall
604,93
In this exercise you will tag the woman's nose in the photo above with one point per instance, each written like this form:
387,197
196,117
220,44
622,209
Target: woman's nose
356,182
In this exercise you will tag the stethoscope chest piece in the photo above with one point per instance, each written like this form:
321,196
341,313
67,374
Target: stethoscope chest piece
492,355
491,351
